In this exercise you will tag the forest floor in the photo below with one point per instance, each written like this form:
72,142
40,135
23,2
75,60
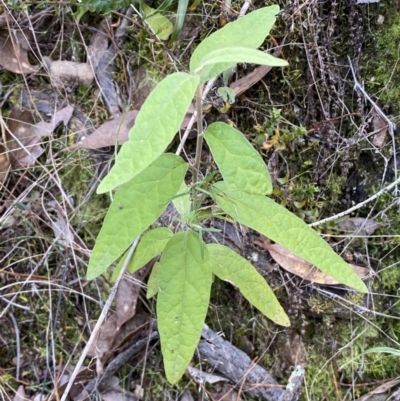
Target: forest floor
326,127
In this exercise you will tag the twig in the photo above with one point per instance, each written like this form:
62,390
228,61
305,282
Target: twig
100,321
207,89
18,345
358,206
200,134
244,8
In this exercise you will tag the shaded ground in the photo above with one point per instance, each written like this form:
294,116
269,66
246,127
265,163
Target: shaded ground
327,147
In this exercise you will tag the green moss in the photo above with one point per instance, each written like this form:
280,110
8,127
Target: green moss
380,71
77,175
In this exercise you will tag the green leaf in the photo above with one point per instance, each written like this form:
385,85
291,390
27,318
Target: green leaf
184,281
156,124
228,265
240,164
160,25
152,282
248,31
227,94
274,221
215,62
136,205
386,350
182,200
180,18
151,244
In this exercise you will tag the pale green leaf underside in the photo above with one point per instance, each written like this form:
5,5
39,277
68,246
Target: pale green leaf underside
156,124
240,164
160,25
152,282
136,205
228,265
182,200
274,221
184,281
248,31
215,62
151,244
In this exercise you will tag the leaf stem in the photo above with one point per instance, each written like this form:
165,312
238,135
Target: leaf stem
200,136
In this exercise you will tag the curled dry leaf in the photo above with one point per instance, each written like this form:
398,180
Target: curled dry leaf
109,133
23,137
200,376
116,131
359,225
380,127
13,50
298,266
126,301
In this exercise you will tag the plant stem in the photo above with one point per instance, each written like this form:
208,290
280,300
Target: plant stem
200,136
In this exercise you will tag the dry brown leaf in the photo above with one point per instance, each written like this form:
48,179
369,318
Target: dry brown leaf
241,85
143,85
186,396
125,306
13,57
105,338
359,225
298,266
380,127
109,132
116,129
200,376
23,138
126,301
60,224
20,394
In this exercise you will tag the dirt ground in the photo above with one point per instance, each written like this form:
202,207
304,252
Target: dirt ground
326,127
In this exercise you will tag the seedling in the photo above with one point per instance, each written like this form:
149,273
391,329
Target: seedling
149,179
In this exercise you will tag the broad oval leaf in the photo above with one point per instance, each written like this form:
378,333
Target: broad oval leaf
275,222
248,31
136,205
215,62
226,264
240,164
184,280
156,124
151,244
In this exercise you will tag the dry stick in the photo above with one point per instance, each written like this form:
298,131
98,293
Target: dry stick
207,89
244,8
100,321
200,133
358,206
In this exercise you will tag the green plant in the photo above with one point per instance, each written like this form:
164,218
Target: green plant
149,179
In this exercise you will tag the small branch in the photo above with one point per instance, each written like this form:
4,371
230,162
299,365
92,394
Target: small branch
207,89
359,205
200,136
